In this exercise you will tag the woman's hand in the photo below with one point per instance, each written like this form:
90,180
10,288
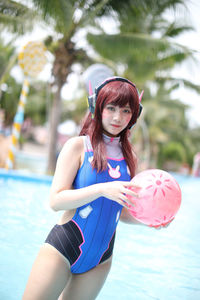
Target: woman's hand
118,191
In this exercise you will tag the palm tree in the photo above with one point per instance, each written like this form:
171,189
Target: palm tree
133,47
168,129
137,24
143,45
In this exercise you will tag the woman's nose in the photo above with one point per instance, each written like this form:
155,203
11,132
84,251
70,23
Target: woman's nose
117,115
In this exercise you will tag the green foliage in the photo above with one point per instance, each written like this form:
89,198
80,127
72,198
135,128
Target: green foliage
75,109
166,124
6,54
142,54
10,99
37,102
36,105
57,13
174,151
16,17
174,30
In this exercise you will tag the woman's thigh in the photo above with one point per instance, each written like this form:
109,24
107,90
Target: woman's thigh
86,286
49,275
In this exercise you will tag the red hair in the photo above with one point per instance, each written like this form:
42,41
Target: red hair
118,93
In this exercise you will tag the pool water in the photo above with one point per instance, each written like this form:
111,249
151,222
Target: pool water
148,263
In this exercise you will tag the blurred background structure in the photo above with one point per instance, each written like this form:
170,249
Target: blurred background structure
140,40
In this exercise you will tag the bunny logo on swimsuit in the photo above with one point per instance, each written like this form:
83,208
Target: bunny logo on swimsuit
90,159
114,172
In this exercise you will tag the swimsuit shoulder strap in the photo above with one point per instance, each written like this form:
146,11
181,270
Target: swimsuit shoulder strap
87,144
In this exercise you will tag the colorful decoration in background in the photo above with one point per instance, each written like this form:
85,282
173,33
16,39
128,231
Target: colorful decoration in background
196,165
18,120
159,198
32,60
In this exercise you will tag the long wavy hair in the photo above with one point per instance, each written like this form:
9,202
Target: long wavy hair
118,93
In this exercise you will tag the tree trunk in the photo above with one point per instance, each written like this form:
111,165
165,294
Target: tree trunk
53,134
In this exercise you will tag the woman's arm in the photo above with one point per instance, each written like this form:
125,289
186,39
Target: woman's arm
62,194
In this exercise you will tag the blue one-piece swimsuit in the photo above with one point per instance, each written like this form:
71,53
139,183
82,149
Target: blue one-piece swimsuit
88,238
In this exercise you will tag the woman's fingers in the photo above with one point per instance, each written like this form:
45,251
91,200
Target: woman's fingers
124,203
128,202
120,191
130,184
132,193
132,188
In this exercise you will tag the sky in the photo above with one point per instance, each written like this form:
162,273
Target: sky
189,70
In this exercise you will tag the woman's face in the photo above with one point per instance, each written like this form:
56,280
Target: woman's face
115,119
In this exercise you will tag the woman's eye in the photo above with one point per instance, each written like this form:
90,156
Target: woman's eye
127,111
111,108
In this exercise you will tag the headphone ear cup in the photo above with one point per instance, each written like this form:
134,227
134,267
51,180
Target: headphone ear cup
92,102
140,110
139,113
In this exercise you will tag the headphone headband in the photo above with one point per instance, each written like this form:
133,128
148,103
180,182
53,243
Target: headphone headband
93,98
97,89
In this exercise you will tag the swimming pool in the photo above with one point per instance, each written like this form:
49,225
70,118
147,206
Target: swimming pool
148,263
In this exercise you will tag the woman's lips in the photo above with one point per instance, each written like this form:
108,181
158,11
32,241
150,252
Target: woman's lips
116,126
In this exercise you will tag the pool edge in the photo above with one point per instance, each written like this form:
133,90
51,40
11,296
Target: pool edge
19,175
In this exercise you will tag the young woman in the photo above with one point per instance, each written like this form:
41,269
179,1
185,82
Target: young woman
90,185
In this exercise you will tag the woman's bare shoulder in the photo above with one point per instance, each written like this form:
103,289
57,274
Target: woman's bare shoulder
75,144
70,155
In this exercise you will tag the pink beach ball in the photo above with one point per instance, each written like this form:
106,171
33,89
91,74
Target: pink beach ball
159,198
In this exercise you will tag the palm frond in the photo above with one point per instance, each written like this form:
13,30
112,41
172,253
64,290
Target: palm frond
173,30
58,13
16,17
179,81
160,7
142,53
8,58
